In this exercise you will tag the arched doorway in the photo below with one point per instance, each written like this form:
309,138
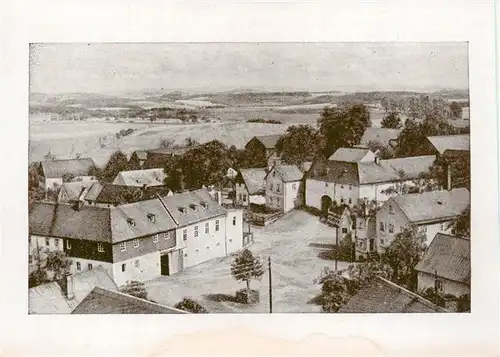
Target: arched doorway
326,203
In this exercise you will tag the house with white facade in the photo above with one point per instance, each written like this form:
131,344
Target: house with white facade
250,186
346,182
445,266
282,187
429,212
137,241
141,178
54,172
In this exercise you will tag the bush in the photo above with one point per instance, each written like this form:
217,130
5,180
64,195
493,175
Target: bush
265,121
245,297
343,251
191,305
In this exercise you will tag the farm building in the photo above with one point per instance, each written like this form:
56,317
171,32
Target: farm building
344,182
384,136
141,178
429,212
264,147
445,266
450,144
250,187
55,172
141,240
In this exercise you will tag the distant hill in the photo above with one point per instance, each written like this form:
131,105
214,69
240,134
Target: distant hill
453,93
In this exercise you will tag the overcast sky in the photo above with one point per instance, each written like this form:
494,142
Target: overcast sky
114,68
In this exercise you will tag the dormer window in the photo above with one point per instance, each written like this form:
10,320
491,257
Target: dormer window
131,222
151,217
193,207
182,210
204,205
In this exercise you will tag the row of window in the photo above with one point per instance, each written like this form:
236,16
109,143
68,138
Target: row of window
341,186
390,227
207,229
276,200
100,246
243,197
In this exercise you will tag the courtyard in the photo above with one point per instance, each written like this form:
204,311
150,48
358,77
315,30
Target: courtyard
295,266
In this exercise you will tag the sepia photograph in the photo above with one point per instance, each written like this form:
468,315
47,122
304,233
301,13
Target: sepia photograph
249,177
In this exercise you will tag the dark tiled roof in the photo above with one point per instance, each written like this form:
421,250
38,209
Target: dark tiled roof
170,151
73,190
382,296
76,167
349,154
254,179
185,200
447,257
380,135
450,142
93,191
102,301
120,194
288,173
433,205
50,299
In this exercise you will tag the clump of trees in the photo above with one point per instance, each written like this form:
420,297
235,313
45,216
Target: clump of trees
392,121
48,266
264,121
191,305
299,144
343,126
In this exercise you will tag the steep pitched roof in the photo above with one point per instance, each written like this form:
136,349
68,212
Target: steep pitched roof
93,191
433,205
103,301
149,177
379,295
73,190
111,225
450,142
76,167
121,194
269,141
447,257
381,135
288,173
184,200
356,173
50,299
350,154
254,179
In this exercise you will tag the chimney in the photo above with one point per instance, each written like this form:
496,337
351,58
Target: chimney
144,187
448,177
78,205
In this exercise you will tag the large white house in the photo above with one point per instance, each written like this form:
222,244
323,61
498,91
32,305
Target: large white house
141,240
359,177
429,212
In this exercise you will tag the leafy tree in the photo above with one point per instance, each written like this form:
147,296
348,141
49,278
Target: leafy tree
461,225
385,104
299,144
456,110
246,267
403,254
167,143
117,162
37,277
57,263
135,288
392,121
339,286
383,152
191,305
343,127
191,143
463,303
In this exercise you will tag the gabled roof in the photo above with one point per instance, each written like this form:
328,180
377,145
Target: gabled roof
254,180
383,136
288,173
447,257
269,141
336,213
76,167
433,205
170,151
184,200
141,154
450,142
93,191
139,178
103,301
359,173
121,194
110,225
73,190
50,299
379,295
351,154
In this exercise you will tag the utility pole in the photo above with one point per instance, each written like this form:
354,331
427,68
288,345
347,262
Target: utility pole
270,287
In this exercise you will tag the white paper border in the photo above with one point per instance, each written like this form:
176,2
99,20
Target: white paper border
155,21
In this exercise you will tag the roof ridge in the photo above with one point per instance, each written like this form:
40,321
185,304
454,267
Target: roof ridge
412,294
82,158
